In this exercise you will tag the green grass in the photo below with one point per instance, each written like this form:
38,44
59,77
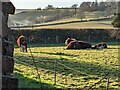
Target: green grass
91,24
80,25
86,67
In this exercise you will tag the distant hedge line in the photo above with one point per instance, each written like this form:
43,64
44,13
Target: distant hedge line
50,36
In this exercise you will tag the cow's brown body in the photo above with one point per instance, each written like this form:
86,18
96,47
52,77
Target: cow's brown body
74,44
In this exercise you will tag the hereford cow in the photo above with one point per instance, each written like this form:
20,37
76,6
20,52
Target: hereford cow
68,40
74,44
22,43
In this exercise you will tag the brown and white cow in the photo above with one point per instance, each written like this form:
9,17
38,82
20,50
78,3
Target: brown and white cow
101,45
22,43
74,44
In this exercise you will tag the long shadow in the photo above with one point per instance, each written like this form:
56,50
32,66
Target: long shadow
83,67
31,45
45,45
32,84
58,53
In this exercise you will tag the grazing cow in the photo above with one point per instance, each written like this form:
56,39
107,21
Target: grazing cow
22,43
101,45
74,44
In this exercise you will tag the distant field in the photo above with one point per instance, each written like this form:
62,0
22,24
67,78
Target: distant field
103,24
29,18
91,24
86,67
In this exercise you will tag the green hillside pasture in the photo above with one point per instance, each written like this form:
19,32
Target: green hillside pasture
34,14
74,68
103,24
108,21
91,24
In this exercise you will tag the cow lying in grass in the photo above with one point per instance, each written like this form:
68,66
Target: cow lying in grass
101,45
74,44
22,43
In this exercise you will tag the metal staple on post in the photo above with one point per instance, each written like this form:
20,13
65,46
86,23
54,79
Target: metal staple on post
55,66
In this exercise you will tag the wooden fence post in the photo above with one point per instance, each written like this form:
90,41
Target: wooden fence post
65,79
57,38
55,67
108,79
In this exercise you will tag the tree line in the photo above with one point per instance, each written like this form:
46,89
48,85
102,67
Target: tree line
108,8
51,13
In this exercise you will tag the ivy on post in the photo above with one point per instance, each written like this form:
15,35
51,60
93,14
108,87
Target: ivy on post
116,20
8,79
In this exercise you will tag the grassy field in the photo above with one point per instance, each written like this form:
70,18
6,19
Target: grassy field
78,25
103,24
74,68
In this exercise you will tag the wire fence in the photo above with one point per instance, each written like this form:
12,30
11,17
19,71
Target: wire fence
57,63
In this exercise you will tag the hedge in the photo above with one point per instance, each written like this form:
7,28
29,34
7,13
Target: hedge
60,35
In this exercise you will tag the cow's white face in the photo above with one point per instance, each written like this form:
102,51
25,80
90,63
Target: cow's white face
100,47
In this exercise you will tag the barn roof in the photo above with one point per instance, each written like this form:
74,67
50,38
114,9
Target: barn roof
7,7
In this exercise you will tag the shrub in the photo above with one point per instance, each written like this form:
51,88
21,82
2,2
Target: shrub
116,21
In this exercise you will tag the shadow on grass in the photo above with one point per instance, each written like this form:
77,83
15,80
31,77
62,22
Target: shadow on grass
83,67
58,53
45,45
29,84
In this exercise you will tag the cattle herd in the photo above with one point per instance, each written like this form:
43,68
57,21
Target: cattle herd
71,43
75,44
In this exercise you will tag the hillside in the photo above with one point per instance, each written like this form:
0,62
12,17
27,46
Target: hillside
76,23
72,23
43,17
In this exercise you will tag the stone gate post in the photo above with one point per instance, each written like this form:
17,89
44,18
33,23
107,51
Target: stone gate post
8,81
